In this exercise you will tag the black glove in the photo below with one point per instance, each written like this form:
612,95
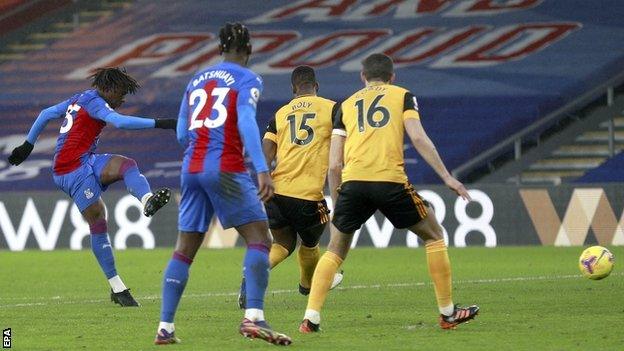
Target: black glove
166,123
21,153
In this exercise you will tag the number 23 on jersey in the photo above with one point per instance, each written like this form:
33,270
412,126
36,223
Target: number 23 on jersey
202,110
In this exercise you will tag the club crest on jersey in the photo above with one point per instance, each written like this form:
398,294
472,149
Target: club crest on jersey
254,94
88,193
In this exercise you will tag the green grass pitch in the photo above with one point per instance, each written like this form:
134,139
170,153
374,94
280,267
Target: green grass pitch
531,298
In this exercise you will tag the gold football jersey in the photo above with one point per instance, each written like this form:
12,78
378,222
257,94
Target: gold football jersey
372,122
302,130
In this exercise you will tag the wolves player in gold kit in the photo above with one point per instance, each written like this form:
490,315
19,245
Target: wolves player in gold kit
367,174
298,140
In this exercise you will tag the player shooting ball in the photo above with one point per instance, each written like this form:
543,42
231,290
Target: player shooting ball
84,175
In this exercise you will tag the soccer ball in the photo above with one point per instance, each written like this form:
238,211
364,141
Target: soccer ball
596,262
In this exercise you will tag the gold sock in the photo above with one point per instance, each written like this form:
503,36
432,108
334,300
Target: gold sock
440,272
321,281
278,254
308,257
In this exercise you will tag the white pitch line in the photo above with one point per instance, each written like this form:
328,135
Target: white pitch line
57,300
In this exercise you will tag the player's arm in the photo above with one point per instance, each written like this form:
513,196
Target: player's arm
98,109
182,127
336,162
269,143
132,122
336,153
21,153
425,147
250,135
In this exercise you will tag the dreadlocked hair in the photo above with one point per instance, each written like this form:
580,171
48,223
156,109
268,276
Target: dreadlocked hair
234,36
114,79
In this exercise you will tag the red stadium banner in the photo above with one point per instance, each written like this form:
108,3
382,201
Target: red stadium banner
497,64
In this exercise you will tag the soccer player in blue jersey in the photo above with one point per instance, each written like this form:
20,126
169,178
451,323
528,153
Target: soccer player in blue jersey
216,120
84,175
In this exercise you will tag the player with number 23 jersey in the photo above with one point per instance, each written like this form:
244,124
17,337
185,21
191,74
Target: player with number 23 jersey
208,126
217,118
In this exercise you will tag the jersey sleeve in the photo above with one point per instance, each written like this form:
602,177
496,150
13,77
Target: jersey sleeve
271,131
53,112
410,106
248,96
99,109
338,125
182,127
250,91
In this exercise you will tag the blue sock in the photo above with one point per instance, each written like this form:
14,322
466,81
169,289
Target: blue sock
136,183
102,249
174,280
256,272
